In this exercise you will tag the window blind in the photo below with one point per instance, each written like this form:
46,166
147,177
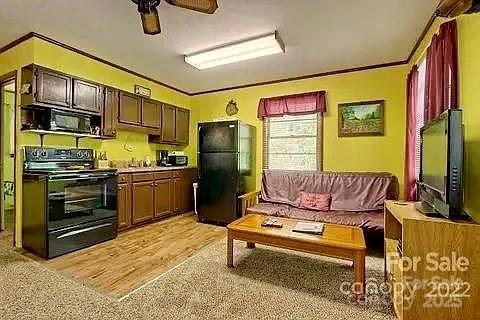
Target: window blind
293,142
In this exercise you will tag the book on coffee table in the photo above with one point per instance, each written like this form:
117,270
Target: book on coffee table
309,227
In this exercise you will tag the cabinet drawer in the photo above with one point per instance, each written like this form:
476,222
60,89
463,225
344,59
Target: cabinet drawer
136,177
163,175
124,178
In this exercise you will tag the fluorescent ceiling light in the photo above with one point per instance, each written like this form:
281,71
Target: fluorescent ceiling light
240,51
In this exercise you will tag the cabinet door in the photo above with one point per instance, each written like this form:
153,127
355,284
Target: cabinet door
143,197
110,112
151,114
130,109
182,126
168,123
86,96
53,88
186,181
124,205
163,197
177,195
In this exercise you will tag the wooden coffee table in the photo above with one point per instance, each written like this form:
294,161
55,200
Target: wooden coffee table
338,241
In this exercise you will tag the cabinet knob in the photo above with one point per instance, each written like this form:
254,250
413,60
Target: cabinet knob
120,188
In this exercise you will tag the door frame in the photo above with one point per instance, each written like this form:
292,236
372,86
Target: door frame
4,79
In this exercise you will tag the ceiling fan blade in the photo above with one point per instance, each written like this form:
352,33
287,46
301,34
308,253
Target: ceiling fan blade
204,6
151,22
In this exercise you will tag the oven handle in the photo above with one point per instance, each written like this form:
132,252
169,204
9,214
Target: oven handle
72,233
81,177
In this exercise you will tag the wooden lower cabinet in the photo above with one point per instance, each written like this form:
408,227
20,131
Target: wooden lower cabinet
124,207
147,197
163,197
143,197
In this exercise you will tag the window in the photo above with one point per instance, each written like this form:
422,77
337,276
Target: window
293,142
419,113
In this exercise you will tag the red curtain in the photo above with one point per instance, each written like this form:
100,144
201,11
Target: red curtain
296,104
412,101
442,72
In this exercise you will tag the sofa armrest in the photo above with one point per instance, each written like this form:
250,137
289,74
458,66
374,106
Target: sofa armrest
248,200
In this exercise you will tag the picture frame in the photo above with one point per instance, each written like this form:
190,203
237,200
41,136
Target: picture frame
361,119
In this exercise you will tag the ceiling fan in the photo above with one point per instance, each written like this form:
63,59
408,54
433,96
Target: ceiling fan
151,21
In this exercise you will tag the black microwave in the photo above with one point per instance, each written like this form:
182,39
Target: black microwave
70,122
174,160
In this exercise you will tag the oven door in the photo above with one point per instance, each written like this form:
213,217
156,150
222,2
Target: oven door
75,199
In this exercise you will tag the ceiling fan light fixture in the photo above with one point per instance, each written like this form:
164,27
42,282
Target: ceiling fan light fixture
204,6
149,14
245,50
151,22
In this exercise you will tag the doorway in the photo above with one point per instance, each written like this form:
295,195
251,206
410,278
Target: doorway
7,153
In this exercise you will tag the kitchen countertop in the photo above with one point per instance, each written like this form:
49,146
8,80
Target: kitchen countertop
152,169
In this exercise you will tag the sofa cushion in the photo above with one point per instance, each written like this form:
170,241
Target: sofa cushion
350,191
315,201
369,221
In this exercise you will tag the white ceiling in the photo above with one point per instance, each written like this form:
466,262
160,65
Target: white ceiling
320,35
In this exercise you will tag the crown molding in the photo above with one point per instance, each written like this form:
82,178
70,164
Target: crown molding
303,77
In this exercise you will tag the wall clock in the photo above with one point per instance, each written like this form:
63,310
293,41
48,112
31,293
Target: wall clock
232,108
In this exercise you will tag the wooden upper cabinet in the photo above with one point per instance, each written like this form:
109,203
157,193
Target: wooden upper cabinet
86,96
130,109
53,88
110,112
168,123
143,197
182,125
151,113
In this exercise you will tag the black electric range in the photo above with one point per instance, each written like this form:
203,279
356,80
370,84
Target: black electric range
67,203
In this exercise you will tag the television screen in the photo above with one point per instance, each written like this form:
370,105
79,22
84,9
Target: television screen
435,156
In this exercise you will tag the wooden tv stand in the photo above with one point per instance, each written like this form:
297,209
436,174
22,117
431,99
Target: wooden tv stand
442,286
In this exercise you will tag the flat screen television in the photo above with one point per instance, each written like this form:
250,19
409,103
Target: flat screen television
440,186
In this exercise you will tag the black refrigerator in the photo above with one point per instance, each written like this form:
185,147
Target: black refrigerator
225,159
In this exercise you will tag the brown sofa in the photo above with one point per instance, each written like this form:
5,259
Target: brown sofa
356,198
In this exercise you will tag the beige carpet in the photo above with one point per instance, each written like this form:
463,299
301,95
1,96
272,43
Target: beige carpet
266,284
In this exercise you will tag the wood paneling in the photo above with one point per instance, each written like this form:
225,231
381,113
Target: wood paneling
138,256
143,197
130,109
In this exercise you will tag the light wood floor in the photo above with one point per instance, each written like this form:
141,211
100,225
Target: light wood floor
138,256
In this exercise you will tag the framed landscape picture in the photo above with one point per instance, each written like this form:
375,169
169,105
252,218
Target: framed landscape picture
361,119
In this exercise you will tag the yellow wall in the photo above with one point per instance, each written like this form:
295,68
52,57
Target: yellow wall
11,60
8,108
384,153
469,99
469,80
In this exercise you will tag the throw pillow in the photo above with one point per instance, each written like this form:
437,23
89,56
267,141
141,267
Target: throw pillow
315,201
